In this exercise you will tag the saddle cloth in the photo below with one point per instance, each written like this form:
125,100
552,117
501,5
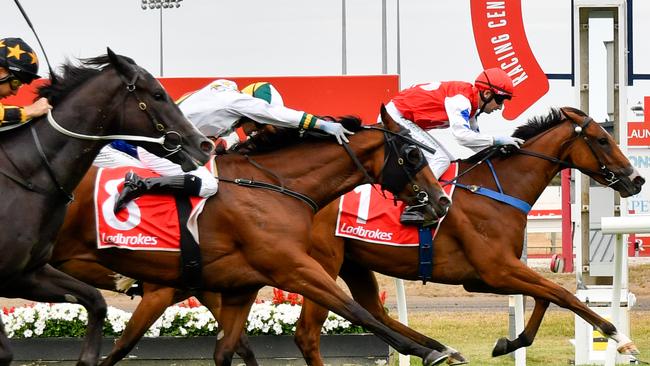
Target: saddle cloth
149,222
366,215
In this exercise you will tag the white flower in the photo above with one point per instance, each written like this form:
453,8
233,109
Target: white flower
264,317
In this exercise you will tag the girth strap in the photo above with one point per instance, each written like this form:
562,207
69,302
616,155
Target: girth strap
425,254
191,264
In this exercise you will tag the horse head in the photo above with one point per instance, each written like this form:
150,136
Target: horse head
583,145
405,172
151,111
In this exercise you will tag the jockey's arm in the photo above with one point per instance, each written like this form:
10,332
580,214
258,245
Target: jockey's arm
10,115
262,112
463,126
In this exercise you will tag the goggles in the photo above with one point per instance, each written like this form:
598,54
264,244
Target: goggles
500,98
14,83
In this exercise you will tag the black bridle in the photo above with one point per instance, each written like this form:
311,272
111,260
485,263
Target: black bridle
131,90
401,163
396,157
608,175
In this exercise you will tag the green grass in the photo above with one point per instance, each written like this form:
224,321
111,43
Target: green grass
474,334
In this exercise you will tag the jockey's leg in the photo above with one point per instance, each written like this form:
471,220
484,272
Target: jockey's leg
199,182
438,162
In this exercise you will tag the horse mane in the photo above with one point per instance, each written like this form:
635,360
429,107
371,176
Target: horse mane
539,124
271,139
72,76
532,128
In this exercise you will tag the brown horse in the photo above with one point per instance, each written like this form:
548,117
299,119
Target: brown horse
479,242
41,162
251,238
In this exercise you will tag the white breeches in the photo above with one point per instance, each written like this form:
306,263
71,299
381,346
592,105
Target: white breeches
438,162
110,157
165,167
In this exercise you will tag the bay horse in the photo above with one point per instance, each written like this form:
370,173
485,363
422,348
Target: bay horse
479,243
43,161
250,238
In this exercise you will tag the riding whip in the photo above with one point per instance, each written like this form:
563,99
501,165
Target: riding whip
20,7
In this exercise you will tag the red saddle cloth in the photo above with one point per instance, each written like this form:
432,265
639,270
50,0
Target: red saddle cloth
366,215
149,222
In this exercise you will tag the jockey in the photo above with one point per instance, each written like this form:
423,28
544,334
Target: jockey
18,66
455,105
216,110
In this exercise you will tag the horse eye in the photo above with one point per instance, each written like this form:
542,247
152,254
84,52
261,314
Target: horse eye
603,141
159,96
413,155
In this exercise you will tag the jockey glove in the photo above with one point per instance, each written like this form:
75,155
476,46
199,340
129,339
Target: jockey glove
335,129
508,140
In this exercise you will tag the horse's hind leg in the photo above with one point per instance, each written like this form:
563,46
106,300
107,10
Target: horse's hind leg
363,286
232,317
155,299
47,284
212,300
5,348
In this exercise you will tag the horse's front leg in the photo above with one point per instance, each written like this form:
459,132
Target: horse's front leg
6,355
155,299
46,284
514,277
232,320
308,278
365,290
212,300
503,345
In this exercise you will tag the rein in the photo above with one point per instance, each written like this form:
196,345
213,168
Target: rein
608,175
421,196
131,90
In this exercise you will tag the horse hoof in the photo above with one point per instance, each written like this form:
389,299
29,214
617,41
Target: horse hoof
456,359
434,358
500,347
628,349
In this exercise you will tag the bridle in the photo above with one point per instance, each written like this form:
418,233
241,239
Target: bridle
608,175
396,158
131,90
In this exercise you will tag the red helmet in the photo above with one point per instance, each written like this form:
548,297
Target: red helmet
495,80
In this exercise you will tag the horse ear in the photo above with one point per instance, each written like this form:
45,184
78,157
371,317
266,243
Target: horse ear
388,121
572,113
121,64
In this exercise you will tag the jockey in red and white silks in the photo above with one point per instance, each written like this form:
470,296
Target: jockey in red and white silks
455,105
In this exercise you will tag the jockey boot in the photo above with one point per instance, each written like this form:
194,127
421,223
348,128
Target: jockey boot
134,187
412,216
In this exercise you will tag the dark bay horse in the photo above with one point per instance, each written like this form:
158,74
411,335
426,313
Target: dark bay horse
479,242
43,161
251,237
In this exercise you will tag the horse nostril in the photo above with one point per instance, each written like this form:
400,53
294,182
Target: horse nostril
207,146
639,181
444,202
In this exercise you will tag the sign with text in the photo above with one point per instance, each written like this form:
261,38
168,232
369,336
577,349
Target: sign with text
501,42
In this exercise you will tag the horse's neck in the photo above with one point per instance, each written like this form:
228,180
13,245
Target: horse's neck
83,111
321,171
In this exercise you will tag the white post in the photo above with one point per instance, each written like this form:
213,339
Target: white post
620,225
402,315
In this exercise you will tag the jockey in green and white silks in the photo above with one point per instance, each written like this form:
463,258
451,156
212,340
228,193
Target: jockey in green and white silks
216,110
